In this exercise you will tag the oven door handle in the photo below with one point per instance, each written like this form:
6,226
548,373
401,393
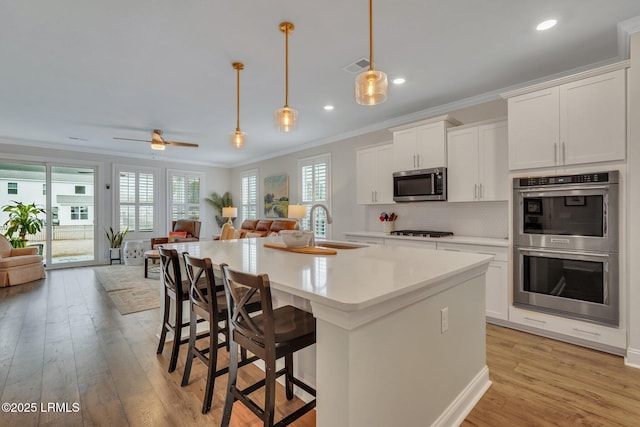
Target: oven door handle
549,251
550,189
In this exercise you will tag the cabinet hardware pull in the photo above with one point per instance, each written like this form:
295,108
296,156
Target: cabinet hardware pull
535,320
555,153
487,253
418,160
376,196
372,196
564,154
414,161
587,332
481,193
475,191
451,250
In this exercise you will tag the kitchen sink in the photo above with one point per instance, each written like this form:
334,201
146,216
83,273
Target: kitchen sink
339,245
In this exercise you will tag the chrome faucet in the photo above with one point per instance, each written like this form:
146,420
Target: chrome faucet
312,220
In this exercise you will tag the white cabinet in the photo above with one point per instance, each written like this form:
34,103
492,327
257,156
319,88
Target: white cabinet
374,179
478,168
364,239
413,243
581,121
497,289
421,145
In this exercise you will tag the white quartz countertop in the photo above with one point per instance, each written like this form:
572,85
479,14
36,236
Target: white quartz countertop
351,280
470,240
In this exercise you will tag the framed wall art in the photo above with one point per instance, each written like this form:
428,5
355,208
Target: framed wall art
276,196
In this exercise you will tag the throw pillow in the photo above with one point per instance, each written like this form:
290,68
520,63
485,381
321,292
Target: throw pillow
175,235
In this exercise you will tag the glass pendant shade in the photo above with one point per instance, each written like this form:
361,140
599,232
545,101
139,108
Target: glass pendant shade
238,138
286,119
371,87
157,146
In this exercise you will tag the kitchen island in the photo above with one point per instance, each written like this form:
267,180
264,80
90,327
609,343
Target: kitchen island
400,331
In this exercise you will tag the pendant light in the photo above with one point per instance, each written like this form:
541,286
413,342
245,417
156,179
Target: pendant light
238,137
371,85
286,119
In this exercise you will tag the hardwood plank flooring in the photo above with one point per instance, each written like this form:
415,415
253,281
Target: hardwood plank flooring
63,341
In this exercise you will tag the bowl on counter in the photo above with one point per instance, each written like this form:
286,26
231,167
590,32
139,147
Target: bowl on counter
295,238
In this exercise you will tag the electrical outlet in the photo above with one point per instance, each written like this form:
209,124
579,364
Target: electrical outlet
444,320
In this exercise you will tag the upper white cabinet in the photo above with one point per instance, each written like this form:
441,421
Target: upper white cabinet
580,121
477,156
422,145
375,175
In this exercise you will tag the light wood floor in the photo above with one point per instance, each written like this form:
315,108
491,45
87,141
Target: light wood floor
63,341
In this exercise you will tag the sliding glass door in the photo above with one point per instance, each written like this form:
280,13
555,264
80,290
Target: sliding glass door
67,194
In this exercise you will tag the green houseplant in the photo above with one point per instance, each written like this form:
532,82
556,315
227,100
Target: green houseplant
218,202
23,220
115,238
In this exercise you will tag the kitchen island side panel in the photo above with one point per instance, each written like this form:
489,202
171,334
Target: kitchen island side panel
401,369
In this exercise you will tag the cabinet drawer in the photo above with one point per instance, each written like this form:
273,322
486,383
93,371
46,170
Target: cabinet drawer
500,253
363,239
414,243
613,337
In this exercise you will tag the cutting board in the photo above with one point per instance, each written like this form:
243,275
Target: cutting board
305,250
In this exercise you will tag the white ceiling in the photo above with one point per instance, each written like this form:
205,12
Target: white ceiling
96,70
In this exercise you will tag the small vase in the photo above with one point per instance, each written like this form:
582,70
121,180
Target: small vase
387,227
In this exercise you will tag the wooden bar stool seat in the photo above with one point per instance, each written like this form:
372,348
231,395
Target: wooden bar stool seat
214,311
176,290
152,255
269,336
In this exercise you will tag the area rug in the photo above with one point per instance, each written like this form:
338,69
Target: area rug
128,289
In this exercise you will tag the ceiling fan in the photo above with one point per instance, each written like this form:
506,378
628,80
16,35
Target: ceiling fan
158,142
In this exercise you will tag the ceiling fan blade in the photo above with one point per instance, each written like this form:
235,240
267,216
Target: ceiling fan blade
129,139
181,144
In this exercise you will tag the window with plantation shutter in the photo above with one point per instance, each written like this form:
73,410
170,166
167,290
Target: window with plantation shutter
315,173
135,198
249,195
184,195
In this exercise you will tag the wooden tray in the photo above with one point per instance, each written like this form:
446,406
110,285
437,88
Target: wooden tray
304,250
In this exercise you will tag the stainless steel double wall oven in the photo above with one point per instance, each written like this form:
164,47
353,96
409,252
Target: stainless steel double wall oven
566,245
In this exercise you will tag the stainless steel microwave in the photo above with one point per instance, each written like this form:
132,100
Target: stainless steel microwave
420,185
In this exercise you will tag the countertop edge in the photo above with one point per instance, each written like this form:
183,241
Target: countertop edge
468,240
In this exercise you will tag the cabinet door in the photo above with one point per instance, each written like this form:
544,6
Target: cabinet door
431,143
365,176
593,119
534,129
492,162
462,173
497,290
404,147
384,175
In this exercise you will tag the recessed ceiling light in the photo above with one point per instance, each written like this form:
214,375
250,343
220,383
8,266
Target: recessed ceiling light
398,81
328,107
545,25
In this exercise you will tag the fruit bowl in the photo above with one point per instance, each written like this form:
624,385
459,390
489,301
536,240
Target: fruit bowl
295,238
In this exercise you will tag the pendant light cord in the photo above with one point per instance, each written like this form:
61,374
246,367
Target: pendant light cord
370,35
286,67
238,101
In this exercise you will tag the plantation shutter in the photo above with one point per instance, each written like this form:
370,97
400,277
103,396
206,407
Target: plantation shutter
314,188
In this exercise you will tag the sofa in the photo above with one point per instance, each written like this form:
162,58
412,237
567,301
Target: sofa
19,265
265,227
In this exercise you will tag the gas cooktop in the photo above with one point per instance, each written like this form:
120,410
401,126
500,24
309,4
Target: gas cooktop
422,233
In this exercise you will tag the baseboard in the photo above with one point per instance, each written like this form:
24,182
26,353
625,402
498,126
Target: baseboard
458,410
632,358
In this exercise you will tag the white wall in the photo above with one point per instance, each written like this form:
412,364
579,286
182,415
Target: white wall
481,219
216,179
633,199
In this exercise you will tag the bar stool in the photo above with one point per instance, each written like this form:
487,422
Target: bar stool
270,336
177,290
208,303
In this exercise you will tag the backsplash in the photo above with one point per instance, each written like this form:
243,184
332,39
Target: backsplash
478,219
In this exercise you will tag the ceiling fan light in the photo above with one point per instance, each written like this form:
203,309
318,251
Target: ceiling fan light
238,139
155,145
371,87
286,119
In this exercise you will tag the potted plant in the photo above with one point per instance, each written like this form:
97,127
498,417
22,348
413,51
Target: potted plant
23,220
115,239
218,202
